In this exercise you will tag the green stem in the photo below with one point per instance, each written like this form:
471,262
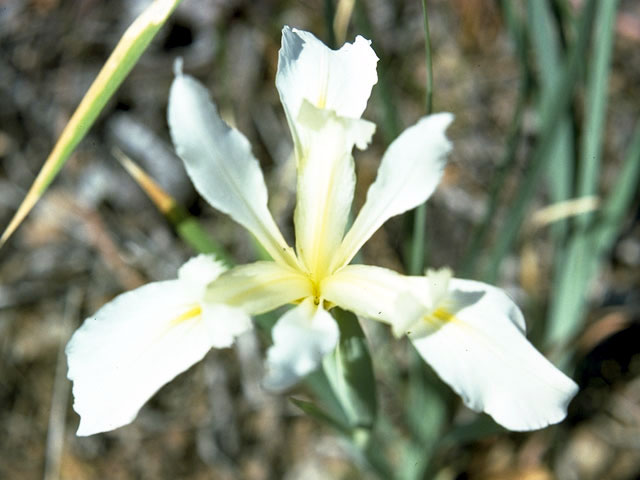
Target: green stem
427,58
418,245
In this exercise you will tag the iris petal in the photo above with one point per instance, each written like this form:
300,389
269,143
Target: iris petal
409,172
339,80
301,339
476,344
220,164
259,287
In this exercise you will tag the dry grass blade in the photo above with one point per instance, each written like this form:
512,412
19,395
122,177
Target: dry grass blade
132,44
342,19
562,210
186,226
161,199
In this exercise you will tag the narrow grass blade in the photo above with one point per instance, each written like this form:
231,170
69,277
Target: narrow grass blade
427,60
186,226
132,44
508,161
619,200
546,40
589,248
552,110
418,241
545,31
596,100
579,264
417,256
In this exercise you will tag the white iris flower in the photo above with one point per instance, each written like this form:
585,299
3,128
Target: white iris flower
471,333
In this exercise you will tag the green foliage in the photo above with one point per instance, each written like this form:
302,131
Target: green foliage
349,371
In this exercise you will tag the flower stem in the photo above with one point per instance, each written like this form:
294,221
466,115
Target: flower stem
418,254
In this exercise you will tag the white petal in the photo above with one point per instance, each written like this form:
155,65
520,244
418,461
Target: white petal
219,161
326,182
375,293
301,339
410,170
436,286
224,323
130,348
200,271
339,80
477,345
259,287
327,126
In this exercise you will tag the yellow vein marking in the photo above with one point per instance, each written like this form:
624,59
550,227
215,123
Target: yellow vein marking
439,316
188,315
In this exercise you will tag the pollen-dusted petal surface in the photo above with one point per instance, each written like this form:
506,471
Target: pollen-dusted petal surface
220,164
259,287
130,348
409,172
301,339
374,292
479,348
339,80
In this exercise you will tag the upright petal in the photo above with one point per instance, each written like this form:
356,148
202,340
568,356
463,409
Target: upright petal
339,80
410,170
476,343
301,339
326,182
219,161
376,293
130,348
259,287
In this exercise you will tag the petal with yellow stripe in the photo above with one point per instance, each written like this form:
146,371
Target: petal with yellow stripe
376,293
475,341
326,182
141,340
259,287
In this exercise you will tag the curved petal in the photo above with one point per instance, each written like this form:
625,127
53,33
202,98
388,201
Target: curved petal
259,287
198,272
410,170
220,164
224,323
376,293
326,182
479,348
339,80
301,339
130,348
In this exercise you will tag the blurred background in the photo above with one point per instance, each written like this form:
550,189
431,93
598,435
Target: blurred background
530,134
